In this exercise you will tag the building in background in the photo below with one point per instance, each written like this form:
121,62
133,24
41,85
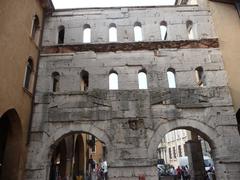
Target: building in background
21,28
76,156
98,151
172,146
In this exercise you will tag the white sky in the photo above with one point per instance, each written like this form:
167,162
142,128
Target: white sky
142,80
113,81
171,79
62,4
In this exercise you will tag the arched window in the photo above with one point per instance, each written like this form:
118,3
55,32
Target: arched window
113,80
200,78
189,26
61,34
86,33
112,33
55,80
84,80
35,28
142,79
171,78
163,30
28,73
138,31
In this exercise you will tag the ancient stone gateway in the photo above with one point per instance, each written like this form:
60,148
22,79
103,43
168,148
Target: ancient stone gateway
73,93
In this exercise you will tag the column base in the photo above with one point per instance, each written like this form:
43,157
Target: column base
132,173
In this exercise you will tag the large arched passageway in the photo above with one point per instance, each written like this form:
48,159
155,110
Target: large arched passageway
192,147
77,155
200,128
10,140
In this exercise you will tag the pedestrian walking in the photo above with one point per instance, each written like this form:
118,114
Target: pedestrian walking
104,168
179,172
173,173
185,172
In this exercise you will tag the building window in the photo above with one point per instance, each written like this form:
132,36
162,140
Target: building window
84,80
55,79
142,79
113,80
163,30
35,32
93,144
171,78
200,78
28,73
61,34
138,31
174,152
189,25
112,33
180,150
86,33
170,153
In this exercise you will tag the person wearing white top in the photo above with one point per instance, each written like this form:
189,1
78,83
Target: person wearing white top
104,169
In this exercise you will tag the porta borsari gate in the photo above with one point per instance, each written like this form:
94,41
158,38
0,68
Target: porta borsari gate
73,96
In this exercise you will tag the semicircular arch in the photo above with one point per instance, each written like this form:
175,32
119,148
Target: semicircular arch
205,131
60,133
15,121
63,132
11,134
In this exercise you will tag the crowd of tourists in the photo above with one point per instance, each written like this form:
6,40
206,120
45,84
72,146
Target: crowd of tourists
183,173
98,171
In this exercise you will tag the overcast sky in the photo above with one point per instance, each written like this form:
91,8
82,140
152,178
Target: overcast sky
62,4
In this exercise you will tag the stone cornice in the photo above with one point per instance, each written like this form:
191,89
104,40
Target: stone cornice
131,46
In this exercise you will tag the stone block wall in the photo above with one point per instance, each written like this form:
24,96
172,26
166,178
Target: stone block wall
124,19
130,121
128,64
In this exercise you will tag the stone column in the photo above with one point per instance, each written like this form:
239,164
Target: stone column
195,158
226,155
37,165
69,156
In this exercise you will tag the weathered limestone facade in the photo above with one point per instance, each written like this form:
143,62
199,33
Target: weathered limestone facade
131,122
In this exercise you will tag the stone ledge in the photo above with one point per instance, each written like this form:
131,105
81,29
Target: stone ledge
131,46
183,98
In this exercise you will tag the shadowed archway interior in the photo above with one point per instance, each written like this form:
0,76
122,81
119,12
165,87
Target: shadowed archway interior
10,140
76,155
